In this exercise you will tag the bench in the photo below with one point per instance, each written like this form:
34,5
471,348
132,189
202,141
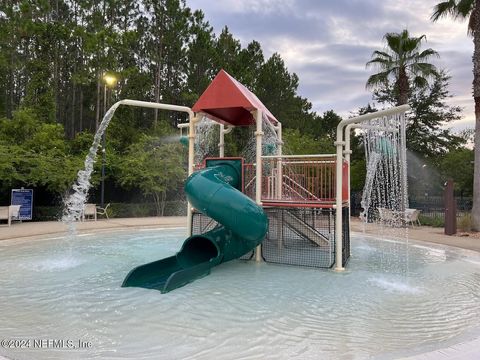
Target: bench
9,213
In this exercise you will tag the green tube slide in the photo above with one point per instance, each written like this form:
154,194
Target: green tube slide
242,226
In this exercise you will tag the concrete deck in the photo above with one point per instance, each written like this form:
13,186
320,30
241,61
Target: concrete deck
422,233
57,228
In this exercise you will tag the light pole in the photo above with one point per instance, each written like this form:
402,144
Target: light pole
109,80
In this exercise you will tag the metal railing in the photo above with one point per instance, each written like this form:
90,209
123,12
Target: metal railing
294,180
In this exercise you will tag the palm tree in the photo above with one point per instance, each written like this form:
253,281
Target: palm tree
469,9
403,62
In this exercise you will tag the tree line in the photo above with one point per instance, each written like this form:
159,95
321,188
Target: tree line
54,55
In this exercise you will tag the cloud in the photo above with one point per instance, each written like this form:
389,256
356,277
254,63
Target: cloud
327,43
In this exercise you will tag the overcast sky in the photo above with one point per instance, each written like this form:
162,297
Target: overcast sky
327,43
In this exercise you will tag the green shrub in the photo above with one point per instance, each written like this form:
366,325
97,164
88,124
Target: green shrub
435,221
172,208
47,213
116,210
123,210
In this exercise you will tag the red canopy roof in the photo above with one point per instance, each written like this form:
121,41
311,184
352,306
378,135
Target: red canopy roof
229,102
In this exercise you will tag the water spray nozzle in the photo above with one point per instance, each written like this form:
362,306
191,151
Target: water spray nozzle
184,141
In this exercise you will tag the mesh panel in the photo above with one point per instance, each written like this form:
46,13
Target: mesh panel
300,237
202,223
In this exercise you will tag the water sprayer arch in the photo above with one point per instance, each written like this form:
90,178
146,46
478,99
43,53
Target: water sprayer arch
75,202
340,144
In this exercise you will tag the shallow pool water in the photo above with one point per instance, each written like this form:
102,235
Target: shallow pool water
394,299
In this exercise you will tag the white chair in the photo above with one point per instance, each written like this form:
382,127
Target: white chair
90,210
103,211
386,215
411,216
9,213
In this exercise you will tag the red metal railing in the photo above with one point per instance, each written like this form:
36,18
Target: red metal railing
307,181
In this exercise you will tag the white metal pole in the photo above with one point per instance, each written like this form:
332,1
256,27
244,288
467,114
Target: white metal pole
278,128
191,160
348,152
279,161
338,205
153,105
258,169
104,150
403,159
221,144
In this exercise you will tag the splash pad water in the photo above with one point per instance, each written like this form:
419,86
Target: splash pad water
242,310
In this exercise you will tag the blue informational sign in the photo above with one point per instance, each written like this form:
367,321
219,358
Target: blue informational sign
24,198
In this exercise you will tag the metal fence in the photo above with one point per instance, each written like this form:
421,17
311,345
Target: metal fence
434,207
429,206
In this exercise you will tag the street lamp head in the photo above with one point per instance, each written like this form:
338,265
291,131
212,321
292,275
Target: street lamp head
110,80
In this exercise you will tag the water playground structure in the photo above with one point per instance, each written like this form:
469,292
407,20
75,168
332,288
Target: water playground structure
280,208
284,209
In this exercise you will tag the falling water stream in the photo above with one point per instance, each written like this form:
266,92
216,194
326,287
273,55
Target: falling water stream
385,194
372,166
385,184
269,142
74,205
206,139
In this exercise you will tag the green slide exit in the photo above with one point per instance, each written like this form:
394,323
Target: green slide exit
242,226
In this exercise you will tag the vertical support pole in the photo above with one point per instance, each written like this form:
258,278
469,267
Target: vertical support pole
104,162
403,163
348,152
258,169
104,153
338,201
221,144
191,158
279,184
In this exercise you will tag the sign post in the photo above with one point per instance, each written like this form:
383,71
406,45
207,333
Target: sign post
24,198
